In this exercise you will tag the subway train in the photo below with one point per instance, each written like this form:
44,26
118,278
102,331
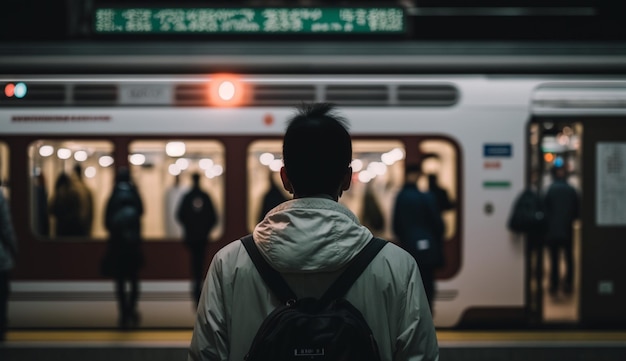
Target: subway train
485,126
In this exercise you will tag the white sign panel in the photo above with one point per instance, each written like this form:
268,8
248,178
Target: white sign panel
611,184
146,94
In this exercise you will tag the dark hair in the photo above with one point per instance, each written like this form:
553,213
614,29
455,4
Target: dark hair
412,167
195,178
317,149
123,174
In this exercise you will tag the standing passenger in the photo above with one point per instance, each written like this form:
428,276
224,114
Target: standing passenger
562,210
65,207
197,216
418,225
125,258
86,201
8,251
309,240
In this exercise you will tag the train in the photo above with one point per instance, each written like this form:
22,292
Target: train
486,126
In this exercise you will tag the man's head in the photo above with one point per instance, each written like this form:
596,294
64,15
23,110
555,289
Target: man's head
558,172
317,151
412,172
195,179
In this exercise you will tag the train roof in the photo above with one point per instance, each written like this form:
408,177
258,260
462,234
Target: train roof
383,57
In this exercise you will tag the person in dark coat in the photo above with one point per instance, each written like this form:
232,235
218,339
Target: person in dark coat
40,208
86,200
273,197
197,216
419,228
441,195
124,256
562,209
65,207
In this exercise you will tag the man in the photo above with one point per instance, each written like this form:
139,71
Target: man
197,216
124,257
562,208
309,240
419,228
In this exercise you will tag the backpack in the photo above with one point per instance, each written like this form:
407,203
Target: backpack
329,328
126,217
527,214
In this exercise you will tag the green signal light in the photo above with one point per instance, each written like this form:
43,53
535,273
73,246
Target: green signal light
20,90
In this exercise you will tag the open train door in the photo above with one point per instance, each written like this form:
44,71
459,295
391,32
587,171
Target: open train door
598,110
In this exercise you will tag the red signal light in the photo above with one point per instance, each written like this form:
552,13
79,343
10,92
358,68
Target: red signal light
9,90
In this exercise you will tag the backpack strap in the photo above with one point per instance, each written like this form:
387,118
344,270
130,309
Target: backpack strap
281,289
271,277
354,269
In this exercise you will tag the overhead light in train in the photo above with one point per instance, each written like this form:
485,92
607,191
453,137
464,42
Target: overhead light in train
173,170
90,172
214,171
266,158
366,176
80,156
377,168
225,90
276,164
356,165
17,90
205,163
175,149
105,161
137,159
64,153
182,163
392,156
46,150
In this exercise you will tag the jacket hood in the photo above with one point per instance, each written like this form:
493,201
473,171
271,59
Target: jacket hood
310,234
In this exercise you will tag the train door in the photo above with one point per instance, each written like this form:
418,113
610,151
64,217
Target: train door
603,287
554,261
585,124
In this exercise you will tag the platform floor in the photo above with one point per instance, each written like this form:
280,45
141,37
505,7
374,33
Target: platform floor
169,345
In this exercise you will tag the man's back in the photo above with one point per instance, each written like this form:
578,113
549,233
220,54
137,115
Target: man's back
310,240
562,209
310,258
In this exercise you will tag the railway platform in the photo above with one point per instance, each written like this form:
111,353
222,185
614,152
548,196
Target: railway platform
169,345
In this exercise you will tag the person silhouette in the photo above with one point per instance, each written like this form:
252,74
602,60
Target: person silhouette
419,228
273,197
562,208
196,214
124,257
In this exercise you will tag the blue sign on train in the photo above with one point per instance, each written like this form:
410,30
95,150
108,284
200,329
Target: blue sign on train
498,150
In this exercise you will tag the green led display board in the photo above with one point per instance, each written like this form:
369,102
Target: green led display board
378,20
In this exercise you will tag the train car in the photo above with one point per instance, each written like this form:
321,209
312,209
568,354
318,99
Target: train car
485,126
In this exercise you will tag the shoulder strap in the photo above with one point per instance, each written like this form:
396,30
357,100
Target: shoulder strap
354,269
271,277
338,289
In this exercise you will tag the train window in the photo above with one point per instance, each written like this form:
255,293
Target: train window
4,168
378,174
165,167
440,176
65,175
265,189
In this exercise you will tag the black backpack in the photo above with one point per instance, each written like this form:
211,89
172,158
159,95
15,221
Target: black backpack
329,328
528,214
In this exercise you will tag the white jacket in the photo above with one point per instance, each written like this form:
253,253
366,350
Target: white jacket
310,240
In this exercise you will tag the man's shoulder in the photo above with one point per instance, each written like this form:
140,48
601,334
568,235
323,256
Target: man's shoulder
395,257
